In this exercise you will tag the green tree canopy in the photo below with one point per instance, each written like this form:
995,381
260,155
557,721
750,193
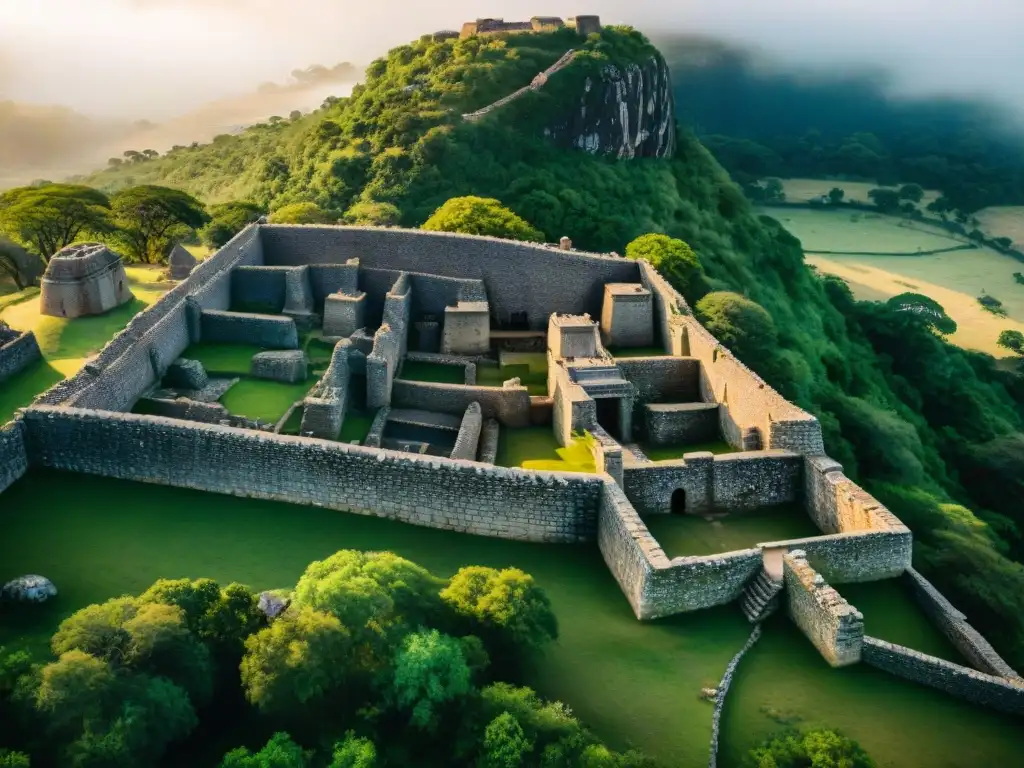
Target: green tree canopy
22,267
298,660
912,192
887,200
150,219
301,213
836,195
818,748
354,752
373,214
227,220
429,673
742,325
511,610
674,259
924,308
1013,341
482,216
49,217
279,752
9,759
505,745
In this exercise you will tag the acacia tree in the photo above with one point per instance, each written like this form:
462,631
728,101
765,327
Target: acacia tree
924,308
150,219
50,216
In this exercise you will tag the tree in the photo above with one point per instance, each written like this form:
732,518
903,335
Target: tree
912,192
505,745
512,611
1013,341
9,759
930,311
774,191
227,220
836,195
886,200
354,752
279,752
301,213
22,267
819,748
742,325
429,673
151,219
373,214
115,162
49,217
299,659
674,259
75,689
481,216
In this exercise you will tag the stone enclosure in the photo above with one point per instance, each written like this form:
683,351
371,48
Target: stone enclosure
389,303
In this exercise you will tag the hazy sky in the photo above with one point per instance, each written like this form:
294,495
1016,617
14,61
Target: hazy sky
155,58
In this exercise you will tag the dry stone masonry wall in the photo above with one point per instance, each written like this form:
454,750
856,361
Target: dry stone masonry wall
834,626
468,439
13,456
17,352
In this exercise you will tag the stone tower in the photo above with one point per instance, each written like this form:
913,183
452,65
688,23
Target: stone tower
85,279
181,262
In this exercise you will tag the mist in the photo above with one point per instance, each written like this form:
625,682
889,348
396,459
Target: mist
154,59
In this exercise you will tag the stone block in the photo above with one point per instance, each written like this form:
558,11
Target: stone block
289,366
186,374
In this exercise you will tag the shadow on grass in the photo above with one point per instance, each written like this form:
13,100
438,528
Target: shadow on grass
21,389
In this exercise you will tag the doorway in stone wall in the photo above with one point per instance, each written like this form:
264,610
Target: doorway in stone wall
678,504
608,415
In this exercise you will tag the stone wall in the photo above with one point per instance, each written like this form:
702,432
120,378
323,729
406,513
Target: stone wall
729,481
854,557
838,505
662,379
17,354
510,406
267,331
13,459
519,277
654,585
324,408
468,439
977,687
723,692
953,624
124,368
436,492
489,441
834,626
607,453
389,344
680,423
325,279
258,289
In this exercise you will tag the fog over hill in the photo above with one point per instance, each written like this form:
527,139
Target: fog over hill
121,61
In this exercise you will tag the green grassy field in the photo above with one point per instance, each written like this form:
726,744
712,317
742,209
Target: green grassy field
536,448
955,280
636,683
803,190
681,535
267,401
413,370
861,232
233,359
535,381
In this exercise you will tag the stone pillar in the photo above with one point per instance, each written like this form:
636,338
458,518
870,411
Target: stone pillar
344,314
467,329
700,497
565,244
626,419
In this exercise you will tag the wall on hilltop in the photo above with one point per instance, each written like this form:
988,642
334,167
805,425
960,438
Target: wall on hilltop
441,493
517,276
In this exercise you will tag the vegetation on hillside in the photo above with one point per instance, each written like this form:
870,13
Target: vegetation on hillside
371,660
819,748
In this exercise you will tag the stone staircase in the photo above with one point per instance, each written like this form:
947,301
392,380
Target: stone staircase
537,83
760,599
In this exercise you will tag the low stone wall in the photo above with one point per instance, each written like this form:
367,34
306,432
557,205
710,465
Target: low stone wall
258,289
376,432
607,453
854,557
268,331
509,406
678,423
654,585
324,408
977,687
839,505
18,354
468,439
730,481
13,457
723,691
389,344
953,624
834,626
436,492
489,441
662,379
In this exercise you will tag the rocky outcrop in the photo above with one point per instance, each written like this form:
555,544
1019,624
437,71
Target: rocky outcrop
624,110
28,589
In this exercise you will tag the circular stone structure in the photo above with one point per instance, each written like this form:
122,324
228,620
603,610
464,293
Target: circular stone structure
85,279
28,589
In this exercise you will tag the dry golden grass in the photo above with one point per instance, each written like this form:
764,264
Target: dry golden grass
802,190
1004,221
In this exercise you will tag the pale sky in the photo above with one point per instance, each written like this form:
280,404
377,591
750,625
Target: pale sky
156,58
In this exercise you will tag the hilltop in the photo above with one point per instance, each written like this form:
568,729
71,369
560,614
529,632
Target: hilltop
921,423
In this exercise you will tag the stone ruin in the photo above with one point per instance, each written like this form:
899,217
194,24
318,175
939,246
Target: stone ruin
85,279
180,263
584,25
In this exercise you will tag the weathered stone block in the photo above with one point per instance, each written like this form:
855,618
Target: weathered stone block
186,374
289,366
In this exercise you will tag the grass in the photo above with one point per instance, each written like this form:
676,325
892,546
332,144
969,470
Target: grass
891,613
20,390
803,190
535,381
233,359
439,373
638,352
1003,221
536,448
862,233
635,683
681,535
675,452
12,297
355,427
265,400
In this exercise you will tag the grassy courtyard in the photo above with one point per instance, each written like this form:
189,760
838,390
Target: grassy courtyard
438,373
267,401
681,535
536,448
64,526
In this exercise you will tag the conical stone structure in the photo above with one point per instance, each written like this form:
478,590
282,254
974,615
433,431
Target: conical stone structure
181,262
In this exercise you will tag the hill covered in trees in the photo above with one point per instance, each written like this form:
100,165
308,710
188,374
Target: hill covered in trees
762,121
933,430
